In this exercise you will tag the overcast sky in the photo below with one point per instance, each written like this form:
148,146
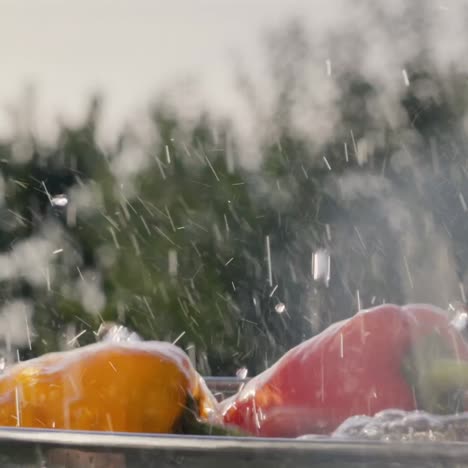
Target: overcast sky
129,49
126,48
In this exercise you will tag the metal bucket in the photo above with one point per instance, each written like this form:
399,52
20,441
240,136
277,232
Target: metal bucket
54,448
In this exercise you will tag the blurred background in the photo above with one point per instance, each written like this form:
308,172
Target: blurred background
232,177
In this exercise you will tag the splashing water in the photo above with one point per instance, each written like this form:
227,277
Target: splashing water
242,373
394,425
109,331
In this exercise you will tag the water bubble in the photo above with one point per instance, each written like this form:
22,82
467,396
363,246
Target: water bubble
59,200
390,415
353,426
421,421
373,430
280,308
401,426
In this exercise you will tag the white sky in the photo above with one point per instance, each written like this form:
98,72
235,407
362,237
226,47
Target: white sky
127,48
131,48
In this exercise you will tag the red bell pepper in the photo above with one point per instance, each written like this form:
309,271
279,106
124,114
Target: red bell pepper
387,357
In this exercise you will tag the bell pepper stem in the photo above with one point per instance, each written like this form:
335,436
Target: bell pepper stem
438,378
440,385
446,374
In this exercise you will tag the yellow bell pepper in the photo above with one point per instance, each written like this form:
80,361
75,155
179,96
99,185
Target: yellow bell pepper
130,386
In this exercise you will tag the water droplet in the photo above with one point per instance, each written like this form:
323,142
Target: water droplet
280,308
321,266
242,373
459,312
406,79
59,201
460,321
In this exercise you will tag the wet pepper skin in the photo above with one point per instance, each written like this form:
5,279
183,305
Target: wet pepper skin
130,387
354,367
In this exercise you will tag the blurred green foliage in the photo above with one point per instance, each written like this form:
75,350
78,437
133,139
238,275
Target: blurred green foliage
184,252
